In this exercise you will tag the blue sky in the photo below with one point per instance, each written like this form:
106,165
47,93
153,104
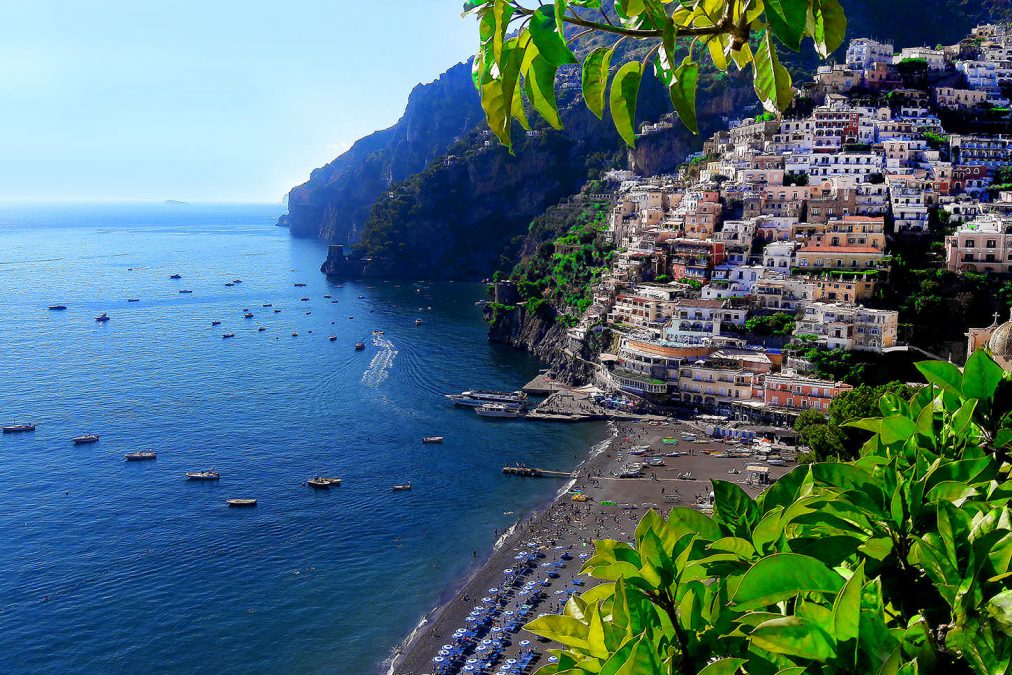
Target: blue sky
204,100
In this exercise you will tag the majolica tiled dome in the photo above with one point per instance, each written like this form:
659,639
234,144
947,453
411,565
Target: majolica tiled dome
1000,344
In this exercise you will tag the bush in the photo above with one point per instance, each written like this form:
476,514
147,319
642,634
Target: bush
896,562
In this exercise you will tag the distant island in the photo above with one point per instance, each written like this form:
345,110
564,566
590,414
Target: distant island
175,202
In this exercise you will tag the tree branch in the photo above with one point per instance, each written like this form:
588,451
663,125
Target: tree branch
725,25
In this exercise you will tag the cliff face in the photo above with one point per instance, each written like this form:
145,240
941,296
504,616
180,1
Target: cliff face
334,203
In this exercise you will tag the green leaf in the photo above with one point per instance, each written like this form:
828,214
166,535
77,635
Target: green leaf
723,667
733,508
595,79
771,80
829,26
540,87
497,94
625,89
896,428
1000,609
943,375
683,93
642,659
787,20
781,576
847,607
683,520
981,376
563,629
794,636
548,37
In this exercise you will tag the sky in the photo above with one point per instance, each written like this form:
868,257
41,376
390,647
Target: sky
204,100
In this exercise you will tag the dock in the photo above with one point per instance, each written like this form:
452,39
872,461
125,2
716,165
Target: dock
533,472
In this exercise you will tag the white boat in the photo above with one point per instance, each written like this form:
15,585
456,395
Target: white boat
477,397
499,410
142,456
432,439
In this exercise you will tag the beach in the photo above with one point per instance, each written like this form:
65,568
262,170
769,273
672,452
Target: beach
535,566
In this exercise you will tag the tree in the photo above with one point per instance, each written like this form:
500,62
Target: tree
896,562
523,45
824,441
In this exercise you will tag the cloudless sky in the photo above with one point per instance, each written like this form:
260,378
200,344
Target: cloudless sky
204,100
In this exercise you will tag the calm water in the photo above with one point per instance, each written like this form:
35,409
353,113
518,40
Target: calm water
113,567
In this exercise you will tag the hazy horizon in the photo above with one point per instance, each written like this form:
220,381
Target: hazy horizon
200,103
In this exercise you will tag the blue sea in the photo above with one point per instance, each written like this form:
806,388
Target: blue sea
115,567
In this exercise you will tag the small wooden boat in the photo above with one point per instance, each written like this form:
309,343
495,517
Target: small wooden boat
175,276
208,475
295,334
216,323
15,428
141,456
401,487
333,338
241,503
84,439
300,285
277,311
418,322
133,299
432,439
229,284
248,315
359,346
57,308
236,281
303,299
185,290
261,329
318,483
102,318
267,304
227,336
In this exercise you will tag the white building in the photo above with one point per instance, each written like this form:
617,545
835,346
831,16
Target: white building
863,52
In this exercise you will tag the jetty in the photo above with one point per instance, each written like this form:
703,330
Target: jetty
534,472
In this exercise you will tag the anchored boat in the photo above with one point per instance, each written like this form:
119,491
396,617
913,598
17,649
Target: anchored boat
86,438
477,397
175,276
141,456
102,318
401,487
57,308
432,439
504,410
238,503
15,428
359,346
208,475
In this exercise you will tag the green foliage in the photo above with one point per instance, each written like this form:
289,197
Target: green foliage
780,324
507,68
896,562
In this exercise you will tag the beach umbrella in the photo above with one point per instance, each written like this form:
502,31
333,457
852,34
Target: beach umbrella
486,599
508,570
525,643
438,659
553,659
493,590
447,647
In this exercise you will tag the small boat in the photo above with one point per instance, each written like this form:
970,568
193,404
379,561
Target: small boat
308,313
303,299
361,297
248,315
359,346
245,309
261,329
334,302
328,297
401,487
86,438
332,338
318,483
236,281
185,291
227,336
240,503
418,322
332,481
208,475
141,456
377,332
175,276
504,410
277,311
15,428
57,308
300,285
295,334
229,284
267,304
432,439
102,318
133,299
216,323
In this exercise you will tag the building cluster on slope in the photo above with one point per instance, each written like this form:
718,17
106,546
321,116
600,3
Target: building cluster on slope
791,219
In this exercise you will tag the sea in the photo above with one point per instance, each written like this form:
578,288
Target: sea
115,567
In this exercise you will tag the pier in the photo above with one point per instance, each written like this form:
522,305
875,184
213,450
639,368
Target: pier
533,472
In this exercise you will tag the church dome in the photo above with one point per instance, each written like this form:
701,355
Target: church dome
1000,344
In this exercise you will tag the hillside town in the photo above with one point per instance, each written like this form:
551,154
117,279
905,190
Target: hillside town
773,242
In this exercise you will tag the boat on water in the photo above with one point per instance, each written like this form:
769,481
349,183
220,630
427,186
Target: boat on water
432,439
377,332
328,297
208,475
267,304
261,329
143,456
303,299
239,503
277,311
236,281
332,338
185,291
229,284
359,346
503,410
18,428
322,483
227,336
473,398
57,308
248,315
102,318
216,323
175,276
418,322
300,285
295,334
401,487
85,438
133,299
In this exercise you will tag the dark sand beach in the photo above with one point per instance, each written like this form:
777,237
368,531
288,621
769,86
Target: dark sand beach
562,534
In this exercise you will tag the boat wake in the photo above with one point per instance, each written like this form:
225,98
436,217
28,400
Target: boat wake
379,368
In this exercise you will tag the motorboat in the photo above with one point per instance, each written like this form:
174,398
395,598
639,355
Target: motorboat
133,299
248,315
418,322
216,323
208,475
102,318
478,397
303,299
57,308
85,438
267,304
229,284
328,297
261,329
236,281
227,336
333,480
504,410
143,456
185,291
295,334
432,439
241,503
401,487
300,285
277,311
359,346
332,338
175,276
318,483
16,428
